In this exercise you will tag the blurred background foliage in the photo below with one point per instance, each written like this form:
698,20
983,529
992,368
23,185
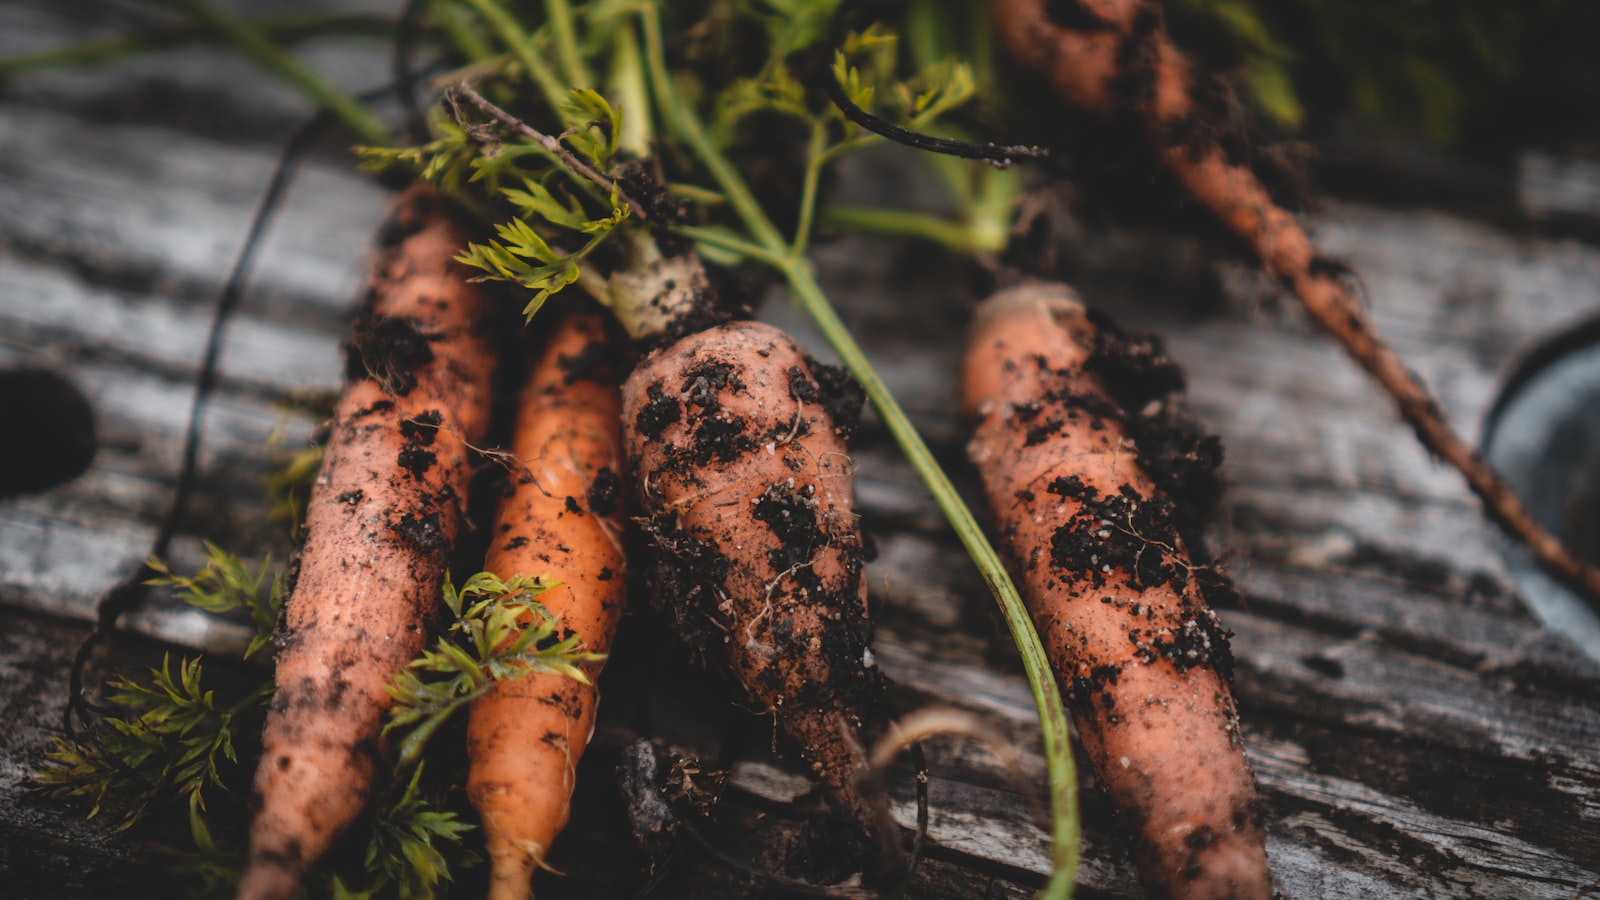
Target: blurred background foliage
1475,76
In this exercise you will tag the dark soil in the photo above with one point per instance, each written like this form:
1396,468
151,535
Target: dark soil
389,349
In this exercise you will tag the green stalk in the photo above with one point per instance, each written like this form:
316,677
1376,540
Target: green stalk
957,236
633,97
816,150
566,36
277,28
521,46
797,271
447,17
687,127
254,44
721,239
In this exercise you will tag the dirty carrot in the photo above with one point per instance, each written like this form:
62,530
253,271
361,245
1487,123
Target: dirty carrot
1107,56
736,443
562,521
383,515
1118,601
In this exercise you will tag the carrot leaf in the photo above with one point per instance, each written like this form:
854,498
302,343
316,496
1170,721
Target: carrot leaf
169,738
288,487
596,140
445,161
407,836
226,583
500,632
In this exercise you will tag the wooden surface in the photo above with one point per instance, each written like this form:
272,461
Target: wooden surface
1415,730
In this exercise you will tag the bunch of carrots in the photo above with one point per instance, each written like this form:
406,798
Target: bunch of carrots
652,415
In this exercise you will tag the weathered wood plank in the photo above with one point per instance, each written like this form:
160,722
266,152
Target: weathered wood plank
1417,733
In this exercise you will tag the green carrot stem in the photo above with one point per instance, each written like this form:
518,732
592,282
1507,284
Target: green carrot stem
957,236
566,40
816,157
521,46
449,18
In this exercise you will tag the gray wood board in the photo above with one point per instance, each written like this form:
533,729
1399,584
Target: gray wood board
1416,731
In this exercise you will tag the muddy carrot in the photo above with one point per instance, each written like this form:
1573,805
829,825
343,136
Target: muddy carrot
383,515
1118,602
562,521
736,444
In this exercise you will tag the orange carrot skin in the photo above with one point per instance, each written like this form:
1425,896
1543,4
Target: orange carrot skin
562,520
384,512
1119,607
1083,51
756,546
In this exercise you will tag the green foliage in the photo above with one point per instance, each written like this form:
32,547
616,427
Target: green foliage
1264,71
166,736
596,139
523,257
936,34
226,583
865,66
1427,67
169,738
774,91
530,251
288,487
499,632
445,161
409,841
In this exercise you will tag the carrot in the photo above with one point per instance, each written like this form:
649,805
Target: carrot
1118,602
383,514
736,443
562,521
1107,55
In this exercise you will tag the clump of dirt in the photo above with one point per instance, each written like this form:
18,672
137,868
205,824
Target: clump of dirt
1175,450
791,513
682,582
603,493
658,203
389,350
422,428
419,433
718,434
426,531
1122,533
840,395
658,413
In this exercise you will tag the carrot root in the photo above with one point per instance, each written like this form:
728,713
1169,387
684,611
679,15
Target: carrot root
756,549
561,521
384,513
1119,604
